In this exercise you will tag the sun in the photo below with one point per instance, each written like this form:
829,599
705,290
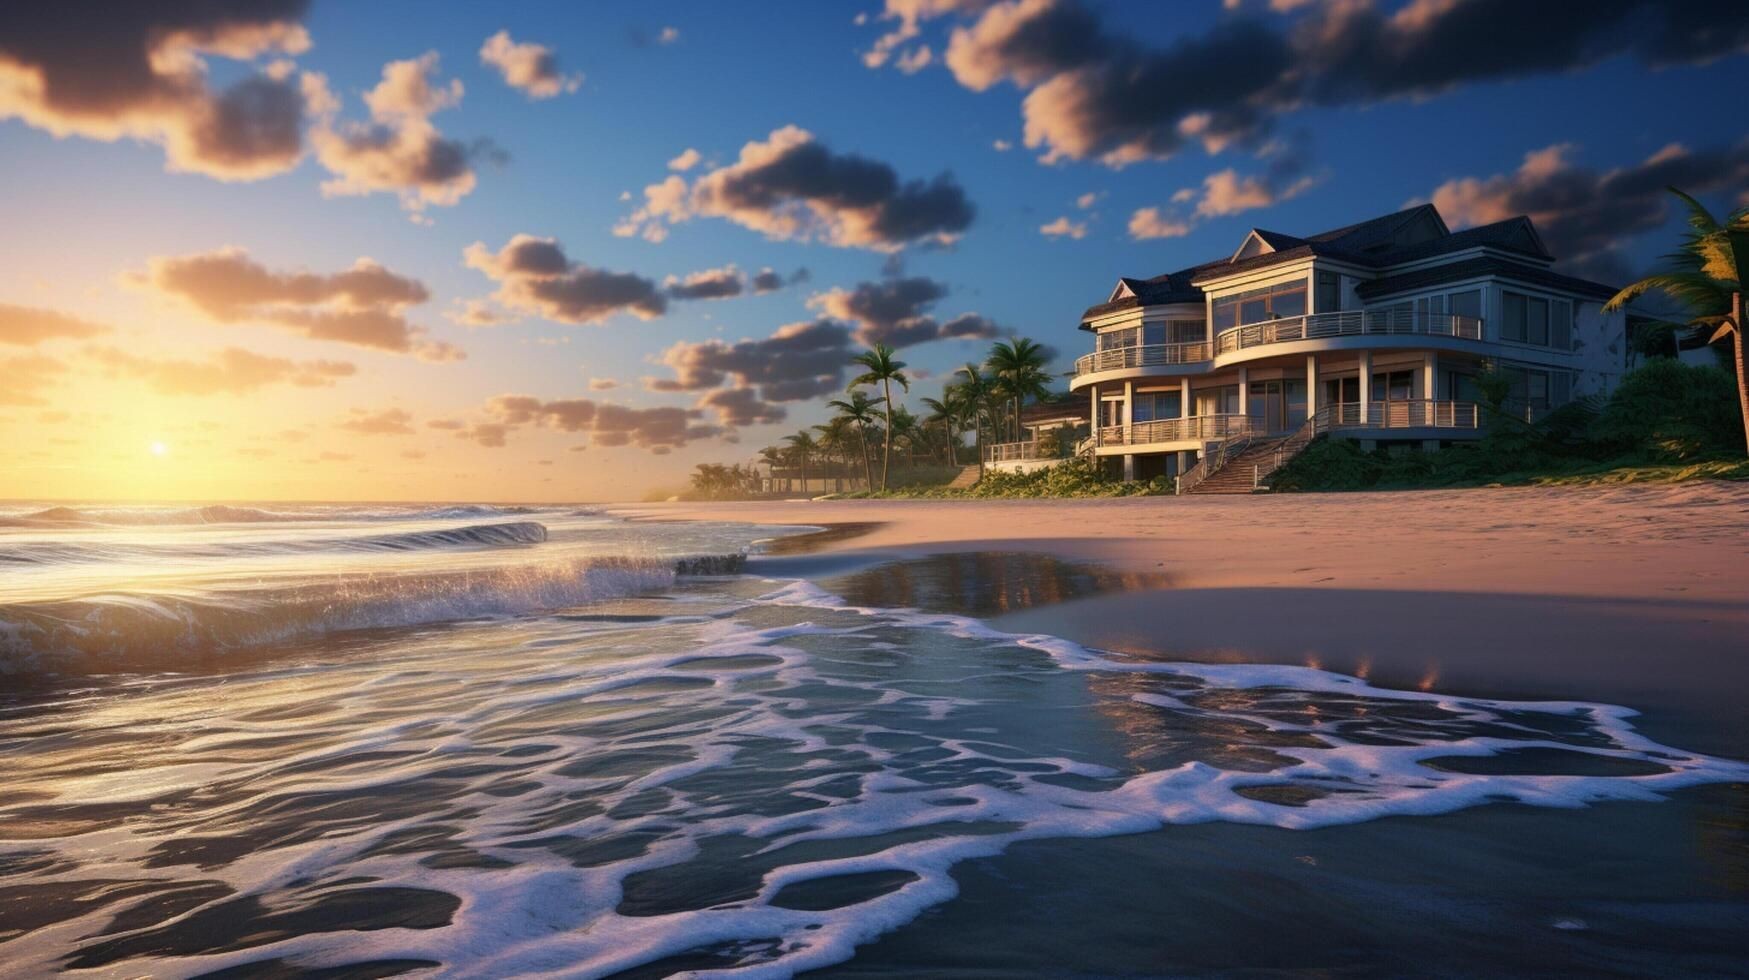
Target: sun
158,448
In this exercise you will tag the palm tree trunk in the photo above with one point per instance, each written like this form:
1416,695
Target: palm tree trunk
887,450
1742,364
867,466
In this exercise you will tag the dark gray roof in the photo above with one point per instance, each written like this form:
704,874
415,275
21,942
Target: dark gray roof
1370,243
1471,268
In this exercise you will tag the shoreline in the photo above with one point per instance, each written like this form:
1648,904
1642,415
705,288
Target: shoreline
1625,595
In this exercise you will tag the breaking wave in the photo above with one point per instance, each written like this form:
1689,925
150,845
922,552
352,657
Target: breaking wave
226,514
473,536
163,631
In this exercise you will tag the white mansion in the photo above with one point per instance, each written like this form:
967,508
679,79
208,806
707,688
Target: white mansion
1376,331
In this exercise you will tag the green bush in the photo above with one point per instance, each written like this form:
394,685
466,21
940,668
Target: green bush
1672,412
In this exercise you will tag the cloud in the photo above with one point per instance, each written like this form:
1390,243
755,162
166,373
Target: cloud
1148,223
388,422
137,71
768,281
668,35
739,407
798,361
720,283
791,186
1086,201
530,67
363,305
657,429
1096,94
895,311
26,377
1001,146
232,371
1227,192
1585,216
28,326
688,159
399,151
535,276
907,17
481,313
1063,227
603,384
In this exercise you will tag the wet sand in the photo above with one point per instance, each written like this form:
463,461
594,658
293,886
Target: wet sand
1634,596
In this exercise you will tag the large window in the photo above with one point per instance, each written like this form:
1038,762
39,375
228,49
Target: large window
1151,406
1467,303
1329,292
1257,305
1217,401
1114,339
1536,320
1185,332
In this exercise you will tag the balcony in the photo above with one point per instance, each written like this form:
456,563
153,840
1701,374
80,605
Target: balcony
1414,414
1146,355
1347,323
1199,428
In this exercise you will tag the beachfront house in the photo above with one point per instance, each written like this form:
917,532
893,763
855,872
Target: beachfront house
1215,375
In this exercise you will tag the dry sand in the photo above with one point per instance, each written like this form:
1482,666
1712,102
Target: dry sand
1638,595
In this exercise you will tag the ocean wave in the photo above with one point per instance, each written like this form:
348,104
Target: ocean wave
511,534
62,516
173,631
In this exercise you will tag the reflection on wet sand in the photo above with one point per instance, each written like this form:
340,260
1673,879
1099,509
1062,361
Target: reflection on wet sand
984,583
809,542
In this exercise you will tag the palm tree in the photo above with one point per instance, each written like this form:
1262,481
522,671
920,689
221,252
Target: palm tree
977,390
1706,274
1019,365
858,410
802,445
884,371
944,413
835,442
908,430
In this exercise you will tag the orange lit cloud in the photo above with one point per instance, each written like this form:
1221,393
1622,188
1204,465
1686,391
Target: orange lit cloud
388,422
232,371
535,275
28,326
26,377
363,305
532,68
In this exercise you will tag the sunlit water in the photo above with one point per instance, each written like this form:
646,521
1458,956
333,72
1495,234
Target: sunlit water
469,742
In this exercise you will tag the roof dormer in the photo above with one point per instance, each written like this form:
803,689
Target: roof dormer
1255,244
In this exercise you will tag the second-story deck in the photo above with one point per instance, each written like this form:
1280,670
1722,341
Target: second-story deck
1252,339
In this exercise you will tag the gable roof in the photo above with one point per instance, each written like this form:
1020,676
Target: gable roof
1411,235
1472,268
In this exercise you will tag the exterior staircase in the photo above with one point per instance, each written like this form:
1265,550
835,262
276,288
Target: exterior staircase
967,478
1248,469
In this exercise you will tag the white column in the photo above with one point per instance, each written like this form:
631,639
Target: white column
1311,385
1186,406
1430,376
1365,384
1129,468
1129,408
1093,412
1244,391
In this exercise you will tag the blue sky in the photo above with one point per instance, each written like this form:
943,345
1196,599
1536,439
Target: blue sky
86,209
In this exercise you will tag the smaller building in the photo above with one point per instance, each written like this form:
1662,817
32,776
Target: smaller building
1055,431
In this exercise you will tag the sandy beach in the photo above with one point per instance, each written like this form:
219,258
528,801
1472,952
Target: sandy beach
1630,594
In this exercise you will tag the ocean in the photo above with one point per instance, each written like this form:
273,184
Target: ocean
480,741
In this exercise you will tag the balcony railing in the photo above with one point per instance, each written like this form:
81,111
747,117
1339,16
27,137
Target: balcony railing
1009,452
1205,428
1347,323
1145,355
1414,414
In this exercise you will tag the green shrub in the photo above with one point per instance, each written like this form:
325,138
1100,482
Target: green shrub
1672,412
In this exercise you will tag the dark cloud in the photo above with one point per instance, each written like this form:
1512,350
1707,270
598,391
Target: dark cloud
768,281
28,326
741,406
531,67
1586,216
798,361
894,311
534,275
232,371
793,187
388,422
1093,93
609,424
364,305
136,70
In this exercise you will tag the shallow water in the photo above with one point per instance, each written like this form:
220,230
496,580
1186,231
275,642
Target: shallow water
734,775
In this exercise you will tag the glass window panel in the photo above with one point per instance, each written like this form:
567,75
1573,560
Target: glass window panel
1329,292
1467,303
1226,314
1561,325
1512,316
1253,310
1290,303
1536,316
